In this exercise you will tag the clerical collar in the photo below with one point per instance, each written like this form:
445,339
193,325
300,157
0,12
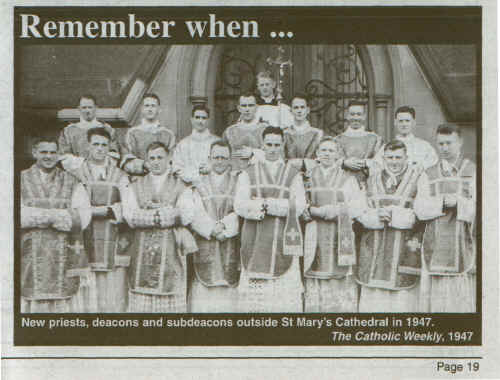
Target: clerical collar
355,132
269,100
200,136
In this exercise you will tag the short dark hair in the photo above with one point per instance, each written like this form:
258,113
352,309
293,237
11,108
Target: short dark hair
156,145
395,145
265,75
200,107
88,96
448,129
45,139
406,109
327,139
152,96
220,143
247,94
98,131
300,95
273,131
356,103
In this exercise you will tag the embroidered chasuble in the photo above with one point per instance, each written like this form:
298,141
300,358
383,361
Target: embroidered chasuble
137,139
158,263
302,143
418,150
51,255
449,248
241,135
389,254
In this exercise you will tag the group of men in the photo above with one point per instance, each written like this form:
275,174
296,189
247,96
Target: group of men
272,217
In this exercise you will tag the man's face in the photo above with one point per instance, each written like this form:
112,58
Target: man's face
247,108
219,159
150,109
87,109
265,86
449,146
404,123
327,153
98,148
356,117
273,147
395,160
199,120
300,110
45,154
157,161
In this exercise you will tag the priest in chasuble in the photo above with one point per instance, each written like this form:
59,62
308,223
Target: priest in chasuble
157,273
270,197
215,226
190,159
245,137
334,199
73,143
301,139
138,138
54,210
104,242
388,265
358,146
446,201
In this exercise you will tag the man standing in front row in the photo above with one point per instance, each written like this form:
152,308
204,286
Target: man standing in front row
446,200
217,263
420,152
389,255
54,208
138,138
269,197
105,184
157,273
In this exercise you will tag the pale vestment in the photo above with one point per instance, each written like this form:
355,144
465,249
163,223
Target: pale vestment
272,113
157,272
449,246
270,279
52,255
418,150
137,140
217,263
329,247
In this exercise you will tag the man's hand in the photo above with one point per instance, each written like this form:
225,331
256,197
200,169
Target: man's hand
218,229
245,152
354,163
384,214
450,200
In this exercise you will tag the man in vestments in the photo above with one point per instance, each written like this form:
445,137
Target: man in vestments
268,110
157,272
329,252
245,137
388,264
358,146
446,201
138,138
73,143
191,154
215,224
54,210
419,151
105,183
270,197
301,139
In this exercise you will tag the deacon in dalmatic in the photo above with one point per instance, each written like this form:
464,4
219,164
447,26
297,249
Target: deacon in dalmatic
138,138
270,197
157,273
54,210
245,137
105,183
388,264
301,139
73,143
334,199
446,200
215,226
191,154
357,145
